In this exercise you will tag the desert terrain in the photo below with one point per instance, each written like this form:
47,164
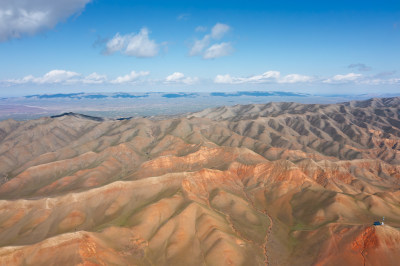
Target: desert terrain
260,184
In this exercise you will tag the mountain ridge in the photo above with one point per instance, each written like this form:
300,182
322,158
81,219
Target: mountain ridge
277,183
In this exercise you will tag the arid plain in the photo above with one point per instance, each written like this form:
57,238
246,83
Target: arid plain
275,184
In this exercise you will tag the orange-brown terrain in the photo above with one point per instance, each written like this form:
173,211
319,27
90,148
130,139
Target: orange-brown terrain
275,184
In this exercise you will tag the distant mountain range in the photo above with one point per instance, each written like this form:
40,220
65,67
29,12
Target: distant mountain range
82,95
116,95
139,104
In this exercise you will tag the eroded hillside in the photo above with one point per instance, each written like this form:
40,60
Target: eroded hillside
276,184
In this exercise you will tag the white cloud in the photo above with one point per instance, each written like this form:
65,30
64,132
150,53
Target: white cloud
23,17
69,77
350,77
199,47
24,80
219,30
295,78
266,77
117,43
53,76
225,79
131,77
218,50
276,77
178,77
94,78
379,81
174,77
65,77
200,29
138,45
383,78
57,76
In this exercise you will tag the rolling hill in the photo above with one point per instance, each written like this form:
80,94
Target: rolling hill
276,184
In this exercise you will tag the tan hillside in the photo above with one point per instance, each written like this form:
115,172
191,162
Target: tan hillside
275,184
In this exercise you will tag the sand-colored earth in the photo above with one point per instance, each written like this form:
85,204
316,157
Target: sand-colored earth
275,184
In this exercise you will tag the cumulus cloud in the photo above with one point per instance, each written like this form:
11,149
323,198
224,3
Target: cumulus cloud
117,43
225,79
350,77
360,67
138,45
202,47
94,78
218,50
382,78
199,46
28,17
219,30
174,77
131,77
57,76
69,77
51,77
178,77
295,78
266,77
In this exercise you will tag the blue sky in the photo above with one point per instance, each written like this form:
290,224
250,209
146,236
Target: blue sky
49,46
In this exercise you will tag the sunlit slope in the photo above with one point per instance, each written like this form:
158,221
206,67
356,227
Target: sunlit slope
280,183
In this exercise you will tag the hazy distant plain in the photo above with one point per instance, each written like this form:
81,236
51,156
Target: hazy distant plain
121,105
